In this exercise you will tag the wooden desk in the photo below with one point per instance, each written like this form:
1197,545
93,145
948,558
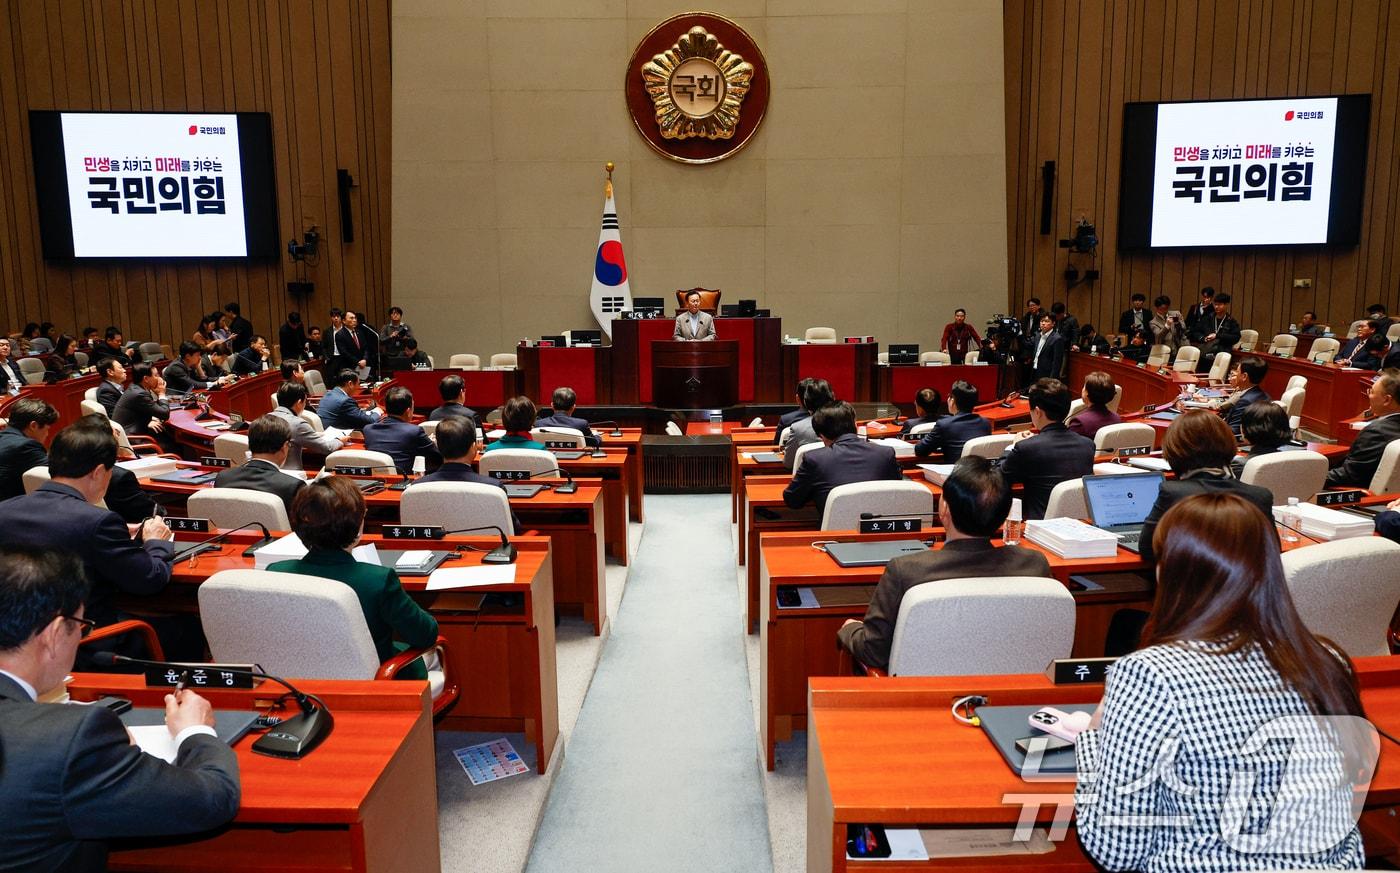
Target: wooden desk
759,368
898,383
886,751
249,397
631,439
587,370
1141,385
486,389
1334,394
849,367
65,396
796,644
502,657
365,800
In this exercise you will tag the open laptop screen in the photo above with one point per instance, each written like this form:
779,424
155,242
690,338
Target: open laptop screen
1124,498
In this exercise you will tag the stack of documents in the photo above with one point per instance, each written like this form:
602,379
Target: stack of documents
417,559
1072,538
1322,523
1147,462
936,473
152,466
1108,468
291,548
901,448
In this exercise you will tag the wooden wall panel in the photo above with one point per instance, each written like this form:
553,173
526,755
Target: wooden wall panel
320,67
1072,64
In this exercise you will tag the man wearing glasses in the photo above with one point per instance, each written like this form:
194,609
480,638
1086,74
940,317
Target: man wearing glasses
63,514
72,777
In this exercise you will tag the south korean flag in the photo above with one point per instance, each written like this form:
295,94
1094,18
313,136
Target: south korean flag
611,294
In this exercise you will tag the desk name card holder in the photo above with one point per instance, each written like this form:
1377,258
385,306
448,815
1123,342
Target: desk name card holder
413,532
1134,451
188,525
510,475
1340,498
211,461
1079,671
203,676
891,525
357,470
559,444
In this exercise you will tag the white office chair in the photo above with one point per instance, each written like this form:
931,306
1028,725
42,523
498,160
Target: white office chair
783,436
990,446
274,401
1124,435
1186,359
81,358
534,461
1324,350
757,421
455,505
430,428
1287,474
1076,406
149,352
1158,355
232,447
926,358
972,357
1249,339
882,359
303,626
1346,591
1355,328
504,360
40,345
1219,368
824,335
168,353
922,428
32,369
33,478
1387,477
802,450
1292,402
1393,333
1283,345
966,627
673,429
559,435
1117,398
1298,381
231,507
464,362
312,419
315,383
845,503
360,458
1067,500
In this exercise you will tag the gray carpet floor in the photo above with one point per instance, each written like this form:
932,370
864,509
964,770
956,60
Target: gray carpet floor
662,770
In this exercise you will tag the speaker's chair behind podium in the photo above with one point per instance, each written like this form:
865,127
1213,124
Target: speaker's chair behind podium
709,300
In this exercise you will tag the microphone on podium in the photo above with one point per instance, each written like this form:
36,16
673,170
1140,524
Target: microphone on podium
502,554
293,738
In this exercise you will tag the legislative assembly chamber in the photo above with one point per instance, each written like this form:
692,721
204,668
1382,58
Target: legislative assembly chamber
611,435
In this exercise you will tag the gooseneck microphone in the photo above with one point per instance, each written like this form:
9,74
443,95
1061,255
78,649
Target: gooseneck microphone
502,554
209,545
568,487
616,431
868,516
293,738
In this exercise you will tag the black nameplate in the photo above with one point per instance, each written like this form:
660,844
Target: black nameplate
891,525
201,676
215,462
354,471
420,532
1340,498
1134,451
1150,407
1079,671
187,525
510,474
559,444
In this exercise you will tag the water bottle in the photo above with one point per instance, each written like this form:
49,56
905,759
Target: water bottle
1014,527
1291,519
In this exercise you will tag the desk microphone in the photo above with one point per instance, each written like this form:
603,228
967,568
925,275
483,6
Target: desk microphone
870,516
292,738
617,428
568,487
502,554
208,545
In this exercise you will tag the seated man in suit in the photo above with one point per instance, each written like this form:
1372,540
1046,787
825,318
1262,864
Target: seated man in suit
186,375
1388,522
976,500
1246,380
398,437
788,419
694,325
453,391
1047,357
338,407
844,458
456,440
563,402
929,408
291,402
73,778
1308,325
1366,450
10,373
63,514
144,409
1136,317
1053,455
22,442
253,359
1215,332
113,373
1098,392
952,433
1353,352
802,432
269,440
111,346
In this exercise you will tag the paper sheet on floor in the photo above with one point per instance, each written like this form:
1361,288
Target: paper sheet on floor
487,762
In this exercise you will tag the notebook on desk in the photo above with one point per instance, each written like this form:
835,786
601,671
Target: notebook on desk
766,457
229,724
1120,504
1004,725
187,477
525,490
875,553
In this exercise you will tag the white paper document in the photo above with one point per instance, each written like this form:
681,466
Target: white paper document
156,741
445,578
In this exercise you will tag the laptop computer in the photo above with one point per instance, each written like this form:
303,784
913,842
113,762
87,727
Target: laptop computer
875,553
1120,504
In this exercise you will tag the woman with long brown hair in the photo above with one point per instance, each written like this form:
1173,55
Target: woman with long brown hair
1226,659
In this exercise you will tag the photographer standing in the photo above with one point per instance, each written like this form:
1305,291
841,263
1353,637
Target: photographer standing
395,333
1166,326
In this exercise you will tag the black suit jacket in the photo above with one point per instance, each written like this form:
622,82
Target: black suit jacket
449,410
951,434
454,472
248,363
259,475
1129,320
10,371
125,497
291,341
244,330
848,459
180,379
1365,455
108,395
559,419
17,454
1045,460
56,517
1051,362
787,419
401,440
72,780
1176,490
1234,412
136,409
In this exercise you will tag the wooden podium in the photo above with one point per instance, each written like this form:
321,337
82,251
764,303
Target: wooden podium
695,375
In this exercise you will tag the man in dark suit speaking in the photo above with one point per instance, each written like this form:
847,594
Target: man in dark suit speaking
269,441
72,778
1047,351
843,459
694,325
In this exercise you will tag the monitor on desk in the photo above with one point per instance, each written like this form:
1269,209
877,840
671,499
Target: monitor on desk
904,353
586,337
729,310
652,307
748,308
